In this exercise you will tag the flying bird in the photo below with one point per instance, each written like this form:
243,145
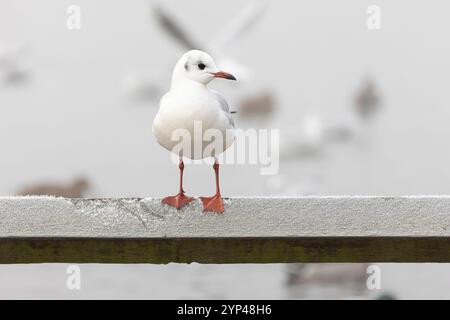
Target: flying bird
241,23
142,87
189,103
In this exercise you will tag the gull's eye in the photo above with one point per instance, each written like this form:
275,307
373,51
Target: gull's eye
201,66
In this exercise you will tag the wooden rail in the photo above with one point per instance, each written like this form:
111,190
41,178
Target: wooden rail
252,230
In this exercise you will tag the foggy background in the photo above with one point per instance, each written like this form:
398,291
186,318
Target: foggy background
361,112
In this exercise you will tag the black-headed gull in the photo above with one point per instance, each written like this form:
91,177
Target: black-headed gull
189,104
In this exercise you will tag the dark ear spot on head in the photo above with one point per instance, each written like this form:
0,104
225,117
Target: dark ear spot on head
186,66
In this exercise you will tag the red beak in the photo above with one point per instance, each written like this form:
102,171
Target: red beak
224,75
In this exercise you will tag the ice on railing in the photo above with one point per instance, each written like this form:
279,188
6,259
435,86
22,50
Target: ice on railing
243,217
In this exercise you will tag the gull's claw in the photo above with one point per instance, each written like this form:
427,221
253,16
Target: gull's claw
177,201
213,204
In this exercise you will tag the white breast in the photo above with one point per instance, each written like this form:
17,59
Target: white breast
186,122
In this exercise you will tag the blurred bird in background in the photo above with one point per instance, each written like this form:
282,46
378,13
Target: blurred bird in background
150,88
330,280
315,131
262,105
77,188
229,34
367,99
15,64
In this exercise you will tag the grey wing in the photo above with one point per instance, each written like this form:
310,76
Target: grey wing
171,26
224,105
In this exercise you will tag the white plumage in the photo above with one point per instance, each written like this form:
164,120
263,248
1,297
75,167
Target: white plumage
190,103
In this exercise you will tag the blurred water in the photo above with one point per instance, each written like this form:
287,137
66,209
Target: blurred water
71,117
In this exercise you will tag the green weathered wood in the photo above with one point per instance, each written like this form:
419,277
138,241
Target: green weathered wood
225,250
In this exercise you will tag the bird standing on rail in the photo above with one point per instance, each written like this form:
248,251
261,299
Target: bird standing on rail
188,104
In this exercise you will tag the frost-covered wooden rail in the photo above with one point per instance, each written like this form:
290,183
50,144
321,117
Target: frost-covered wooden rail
252,230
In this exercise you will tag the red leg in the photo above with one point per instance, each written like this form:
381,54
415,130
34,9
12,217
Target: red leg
214,203
180,199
